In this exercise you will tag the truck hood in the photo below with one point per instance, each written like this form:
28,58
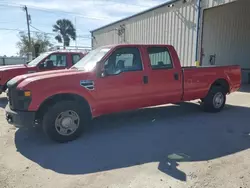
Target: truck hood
13,67
44,75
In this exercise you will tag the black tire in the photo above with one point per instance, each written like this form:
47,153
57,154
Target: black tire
50,116
209,104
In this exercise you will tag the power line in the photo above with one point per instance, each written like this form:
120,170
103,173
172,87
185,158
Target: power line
8,29
54,34
19,30
36,29
52,11
3,22
78,36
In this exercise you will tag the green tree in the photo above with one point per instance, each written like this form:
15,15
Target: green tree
65,31
41,39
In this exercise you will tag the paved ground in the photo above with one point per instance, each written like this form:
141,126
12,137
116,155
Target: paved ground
134,150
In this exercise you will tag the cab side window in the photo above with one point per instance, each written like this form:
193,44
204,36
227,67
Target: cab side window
59,60
75,58
124,60
160,58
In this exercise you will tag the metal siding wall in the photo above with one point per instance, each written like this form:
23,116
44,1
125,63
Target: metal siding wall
226,34
165,25
205,4
214,3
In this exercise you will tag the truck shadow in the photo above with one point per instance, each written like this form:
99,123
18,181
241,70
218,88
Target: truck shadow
245,88
145,136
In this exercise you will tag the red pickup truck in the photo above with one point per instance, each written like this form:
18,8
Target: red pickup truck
114,79
47,61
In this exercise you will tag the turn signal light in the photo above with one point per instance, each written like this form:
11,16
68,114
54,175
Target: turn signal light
27,93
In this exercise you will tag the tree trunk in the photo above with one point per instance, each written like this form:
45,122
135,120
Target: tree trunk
64,43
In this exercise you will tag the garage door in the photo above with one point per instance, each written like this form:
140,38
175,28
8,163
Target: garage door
226,35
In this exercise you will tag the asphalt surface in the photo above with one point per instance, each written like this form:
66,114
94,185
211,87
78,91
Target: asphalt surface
166,146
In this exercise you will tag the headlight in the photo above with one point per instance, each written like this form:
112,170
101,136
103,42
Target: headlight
23,99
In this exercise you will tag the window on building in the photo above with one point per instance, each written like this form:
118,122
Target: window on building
124,60
160,58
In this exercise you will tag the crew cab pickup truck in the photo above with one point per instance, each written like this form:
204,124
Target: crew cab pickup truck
47,61
113,79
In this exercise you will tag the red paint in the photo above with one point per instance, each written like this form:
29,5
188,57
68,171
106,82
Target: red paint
10,71
126,91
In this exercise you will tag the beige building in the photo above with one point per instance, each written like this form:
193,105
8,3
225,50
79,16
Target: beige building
214,32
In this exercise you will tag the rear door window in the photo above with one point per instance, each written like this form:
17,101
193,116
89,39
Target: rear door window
75,58
160,58
59,60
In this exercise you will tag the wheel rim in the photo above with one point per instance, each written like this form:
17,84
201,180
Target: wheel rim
67,122
218,100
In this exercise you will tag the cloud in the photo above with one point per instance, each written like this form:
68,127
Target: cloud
99,9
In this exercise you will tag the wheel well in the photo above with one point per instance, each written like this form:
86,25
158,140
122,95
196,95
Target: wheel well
57,98
5,86
221,83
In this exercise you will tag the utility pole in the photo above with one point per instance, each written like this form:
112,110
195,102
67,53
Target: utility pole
28,25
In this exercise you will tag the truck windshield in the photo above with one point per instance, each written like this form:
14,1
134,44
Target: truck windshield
37,60
89,61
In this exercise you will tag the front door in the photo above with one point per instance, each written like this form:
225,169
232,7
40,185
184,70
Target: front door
122,88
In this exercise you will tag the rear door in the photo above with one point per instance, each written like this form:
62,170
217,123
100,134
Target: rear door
122,88
164,79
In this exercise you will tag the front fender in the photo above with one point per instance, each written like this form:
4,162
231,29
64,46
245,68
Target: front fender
39,98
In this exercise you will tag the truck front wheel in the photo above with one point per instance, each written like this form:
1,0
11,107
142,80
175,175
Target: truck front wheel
65,121
215,100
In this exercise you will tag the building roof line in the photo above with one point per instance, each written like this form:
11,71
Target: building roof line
140,13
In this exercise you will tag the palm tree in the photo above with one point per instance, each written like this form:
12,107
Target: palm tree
65,31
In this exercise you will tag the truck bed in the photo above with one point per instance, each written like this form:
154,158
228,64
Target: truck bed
197,80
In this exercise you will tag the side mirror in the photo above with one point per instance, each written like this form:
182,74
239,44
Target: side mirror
101,73
48,64
41,65
104,73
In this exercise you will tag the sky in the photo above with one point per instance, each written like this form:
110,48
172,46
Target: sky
86,15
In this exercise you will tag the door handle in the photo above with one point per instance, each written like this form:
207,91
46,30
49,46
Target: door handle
145,79
176,76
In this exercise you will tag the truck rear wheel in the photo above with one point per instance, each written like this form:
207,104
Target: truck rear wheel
215,100
65,121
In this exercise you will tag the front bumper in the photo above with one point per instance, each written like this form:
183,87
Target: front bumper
20,118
